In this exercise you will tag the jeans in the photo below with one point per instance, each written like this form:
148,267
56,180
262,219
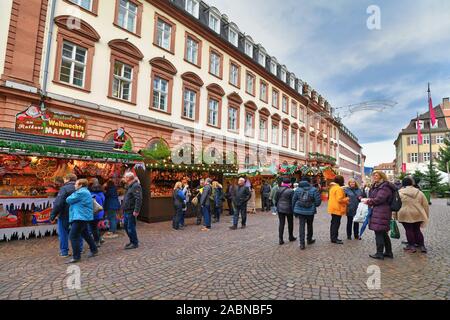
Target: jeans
413,233
383,242
350,226
240,210
177,218
308,220
265,199
63,235
290,219
334,227
206,211
218,213
79,230
130,228
183,216
112,218
93,229
230,207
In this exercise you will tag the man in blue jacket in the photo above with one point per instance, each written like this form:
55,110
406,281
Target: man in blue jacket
305,201
60,210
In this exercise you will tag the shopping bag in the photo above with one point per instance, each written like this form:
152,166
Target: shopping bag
361,213
395,232
97,206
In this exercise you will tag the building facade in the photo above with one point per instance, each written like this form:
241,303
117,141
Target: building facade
350,157
388,169
412,155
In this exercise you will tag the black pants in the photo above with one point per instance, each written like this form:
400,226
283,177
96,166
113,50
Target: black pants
308,220
383,242
198,209
350,226
177,218
79,229
265,200
230,206
290,219
334,228
93,225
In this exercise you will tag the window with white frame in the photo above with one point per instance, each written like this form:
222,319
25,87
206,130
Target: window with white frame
250,82
284,104
160,93
283,75
273,67
190,100
122,82
284,137
414,157
234,75
275,97
232,119
263,129
73,64
275,133
294,110
422,125
214,22
302,116
263,91
302,142
127,15
249,48
233,37
426,139
413,140
85,4
213,112
292,82
249,118
293,139
439,139
164,34
192,6
192,47
426,156
214,66
262,59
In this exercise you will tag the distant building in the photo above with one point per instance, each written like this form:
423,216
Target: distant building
350,158
387,168
410,156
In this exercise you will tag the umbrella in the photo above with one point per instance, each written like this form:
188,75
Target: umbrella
366,222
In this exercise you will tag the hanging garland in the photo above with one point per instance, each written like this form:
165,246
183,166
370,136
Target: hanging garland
45,150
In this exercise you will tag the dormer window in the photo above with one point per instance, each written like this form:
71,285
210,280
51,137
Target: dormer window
214,20
262,59
233,35
192,6
292,81
273,67
249,48
283,75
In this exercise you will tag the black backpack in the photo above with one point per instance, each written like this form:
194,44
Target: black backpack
396,202
305,199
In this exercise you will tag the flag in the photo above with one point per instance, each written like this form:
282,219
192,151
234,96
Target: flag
404,167
430,104
419,132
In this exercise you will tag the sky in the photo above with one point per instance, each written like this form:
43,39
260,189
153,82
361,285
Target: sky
328,45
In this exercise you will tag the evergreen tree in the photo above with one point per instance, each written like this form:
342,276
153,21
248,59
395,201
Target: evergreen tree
433,179
127,146
444,155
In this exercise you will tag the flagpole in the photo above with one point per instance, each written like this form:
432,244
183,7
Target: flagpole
430,124
418,142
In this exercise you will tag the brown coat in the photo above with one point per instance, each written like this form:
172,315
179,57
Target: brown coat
414,206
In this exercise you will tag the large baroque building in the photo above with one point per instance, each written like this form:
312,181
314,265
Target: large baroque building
174,70
412,156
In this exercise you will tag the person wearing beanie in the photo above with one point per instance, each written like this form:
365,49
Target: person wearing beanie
413,215
283,200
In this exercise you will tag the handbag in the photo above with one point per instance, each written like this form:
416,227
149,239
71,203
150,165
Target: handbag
395,232
97,206
361,213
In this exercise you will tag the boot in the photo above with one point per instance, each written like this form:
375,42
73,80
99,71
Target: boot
378,256
423,249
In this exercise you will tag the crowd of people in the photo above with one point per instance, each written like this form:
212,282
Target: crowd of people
81,204
77,219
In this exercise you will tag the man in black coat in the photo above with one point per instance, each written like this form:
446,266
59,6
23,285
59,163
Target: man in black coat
205,203
265,196
283,202
241,196
132,204
60,210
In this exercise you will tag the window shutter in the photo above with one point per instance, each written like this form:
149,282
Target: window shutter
408,141
421,157
409,157
433,140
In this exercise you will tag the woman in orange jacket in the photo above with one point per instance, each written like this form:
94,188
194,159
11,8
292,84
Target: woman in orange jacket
337,207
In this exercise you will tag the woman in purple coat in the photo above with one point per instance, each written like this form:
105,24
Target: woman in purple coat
380,198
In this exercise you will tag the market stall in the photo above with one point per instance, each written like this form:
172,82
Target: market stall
29,168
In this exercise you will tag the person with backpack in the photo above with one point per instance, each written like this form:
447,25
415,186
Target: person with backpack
355,194
305,202
265,196
179,203
380,202
413,215
283,202
337,207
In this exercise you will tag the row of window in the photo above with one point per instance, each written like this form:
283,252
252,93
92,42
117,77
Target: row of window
439,139
421,157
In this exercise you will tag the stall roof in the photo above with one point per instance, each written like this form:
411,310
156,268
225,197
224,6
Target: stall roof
82,148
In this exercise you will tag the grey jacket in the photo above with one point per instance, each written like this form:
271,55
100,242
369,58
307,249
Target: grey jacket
204,199
60,206
132,201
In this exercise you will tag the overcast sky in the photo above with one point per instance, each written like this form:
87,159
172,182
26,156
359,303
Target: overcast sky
327,44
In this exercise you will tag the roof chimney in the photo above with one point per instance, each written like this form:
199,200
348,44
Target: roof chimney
446,104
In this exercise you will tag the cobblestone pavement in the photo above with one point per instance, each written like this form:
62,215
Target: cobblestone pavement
225,264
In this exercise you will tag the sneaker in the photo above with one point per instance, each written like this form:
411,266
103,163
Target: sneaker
205,229
409,248
423,249
338,242
312,241
92,254
72,261
302,246
102,241
131,247
61,255
98,244
128,245
377,256
388,255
